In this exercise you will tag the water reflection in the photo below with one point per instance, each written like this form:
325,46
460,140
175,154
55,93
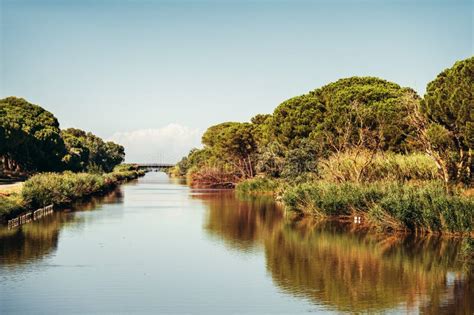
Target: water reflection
38,239
344,269
334,267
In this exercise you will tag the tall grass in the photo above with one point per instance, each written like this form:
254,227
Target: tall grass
54,188
258,186
364,166
388,206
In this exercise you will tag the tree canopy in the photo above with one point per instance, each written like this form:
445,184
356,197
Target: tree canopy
31,140
30,137
337,113
448,106
86,151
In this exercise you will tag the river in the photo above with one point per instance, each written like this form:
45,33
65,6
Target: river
158,246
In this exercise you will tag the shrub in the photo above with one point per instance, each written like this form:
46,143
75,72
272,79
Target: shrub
56,188
10,205
259,185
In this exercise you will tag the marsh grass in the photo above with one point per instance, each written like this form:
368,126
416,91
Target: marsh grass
364,166
386,206
259,186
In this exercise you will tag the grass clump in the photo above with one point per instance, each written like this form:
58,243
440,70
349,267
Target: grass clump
365,166
388,206
10,205
258,186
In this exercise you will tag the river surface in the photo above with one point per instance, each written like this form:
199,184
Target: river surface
158,246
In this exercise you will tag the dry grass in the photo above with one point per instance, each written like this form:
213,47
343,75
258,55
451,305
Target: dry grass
8,189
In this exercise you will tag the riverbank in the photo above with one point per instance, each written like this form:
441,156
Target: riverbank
61,189
384,206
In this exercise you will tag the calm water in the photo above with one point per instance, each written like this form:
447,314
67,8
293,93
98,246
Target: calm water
157,246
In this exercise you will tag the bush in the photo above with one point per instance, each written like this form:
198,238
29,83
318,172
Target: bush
10,205
55,188
257,186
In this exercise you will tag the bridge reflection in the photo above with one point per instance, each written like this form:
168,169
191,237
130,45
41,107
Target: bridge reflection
156,167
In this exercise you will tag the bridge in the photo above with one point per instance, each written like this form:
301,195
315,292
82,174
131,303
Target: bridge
156,167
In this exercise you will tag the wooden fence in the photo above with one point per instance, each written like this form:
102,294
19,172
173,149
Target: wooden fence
30,216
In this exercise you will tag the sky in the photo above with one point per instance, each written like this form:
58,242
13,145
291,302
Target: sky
153,75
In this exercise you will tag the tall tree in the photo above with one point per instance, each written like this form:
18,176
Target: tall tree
30,137
448,107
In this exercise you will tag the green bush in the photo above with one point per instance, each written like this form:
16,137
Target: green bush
259,185
10,205
56,188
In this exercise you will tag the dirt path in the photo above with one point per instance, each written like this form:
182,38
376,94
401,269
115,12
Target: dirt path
6,189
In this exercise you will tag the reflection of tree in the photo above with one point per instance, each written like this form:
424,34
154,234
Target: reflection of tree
239,223
343,269
354,272
35,240
31,241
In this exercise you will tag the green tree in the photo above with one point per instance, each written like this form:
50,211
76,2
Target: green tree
233,143
356,111
448,107
29,137
86,151
295,119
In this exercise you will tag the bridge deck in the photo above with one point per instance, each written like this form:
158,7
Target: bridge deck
154,165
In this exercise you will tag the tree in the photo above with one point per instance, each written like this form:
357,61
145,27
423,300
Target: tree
86,151
30,137
448,107
234,144
295,119
335,115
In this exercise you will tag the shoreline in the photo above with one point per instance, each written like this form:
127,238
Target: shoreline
110,181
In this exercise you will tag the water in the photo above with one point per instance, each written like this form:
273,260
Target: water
157,246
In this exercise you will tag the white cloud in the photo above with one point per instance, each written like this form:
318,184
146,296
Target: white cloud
166,144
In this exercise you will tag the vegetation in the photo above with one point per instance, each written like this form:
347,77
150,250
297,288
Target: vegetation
62,188
31,141
386,206
360,145
258,186
85,151
448,131
339,265
30,137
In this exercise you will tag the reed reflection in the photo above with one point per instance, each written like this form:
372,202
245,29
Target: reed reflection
338,266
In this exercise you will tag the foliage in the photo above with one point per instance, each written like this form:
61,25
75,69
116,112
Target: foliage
365,166
213,177
11,204
353,111
386,205
63,188
30,137
257,186
235,144
448,107
87,152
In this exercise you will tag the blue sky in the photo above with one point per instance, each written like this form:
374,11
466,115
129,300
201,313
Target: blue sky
132,70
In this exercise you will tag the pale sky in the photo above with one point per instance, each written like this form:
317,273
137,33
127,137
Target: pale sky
152,75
